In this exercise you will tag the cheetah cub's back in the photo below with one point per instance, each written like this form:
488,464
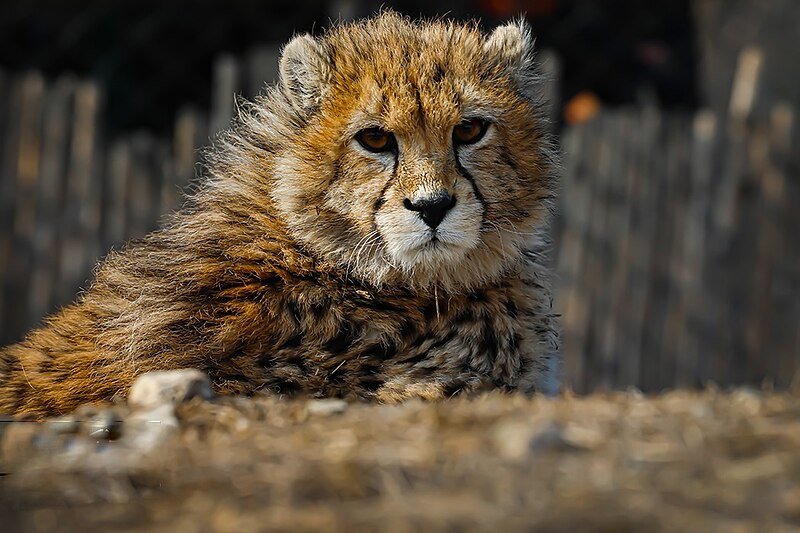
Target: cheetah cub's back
373,226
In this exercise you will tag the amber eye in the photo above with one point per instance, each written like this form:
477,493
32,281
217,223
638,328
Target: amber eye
470,131
375,140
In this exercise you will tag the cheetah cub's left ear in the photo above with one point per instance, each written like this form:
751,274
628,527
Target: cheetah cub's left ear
304,73
511,45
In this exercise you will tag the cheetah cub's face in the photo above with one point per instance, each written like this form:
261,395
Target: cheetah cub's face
420,157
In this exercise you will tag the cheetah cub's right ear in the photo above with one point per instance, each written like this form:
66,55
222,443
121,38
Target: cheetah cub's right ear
304,73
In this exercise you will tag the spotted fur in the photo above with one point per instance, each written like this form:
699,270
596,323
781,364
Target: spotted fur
295,267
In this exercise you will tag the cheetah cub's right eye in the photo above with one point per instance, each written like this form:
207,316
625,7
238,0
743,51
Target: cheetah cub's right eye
376,140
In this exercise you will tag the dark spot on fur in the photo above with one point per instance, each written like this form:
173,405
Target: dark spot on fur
477,296
416,358
371,383
511,309
241,378
294,312
300,362
452,388
488,344
444,340
318,309
266,361
408,330
429,310
508,160
381,350
292,342
383,306
237,350
438,73
515,341
464,314
343,339
378,203
286,386
501,385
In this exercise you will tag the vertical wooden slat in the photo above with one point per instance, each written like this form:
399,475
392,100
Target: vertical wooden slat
115,217
190,135
46,242
143,189
27,178
80,245
262,68
10,109
676,366
226,86
550,67
753,273
776,312
644,226
574,209
693,366
604,250
620,240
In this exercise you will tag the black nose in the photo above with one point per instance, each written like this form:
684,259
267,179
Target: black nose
433,208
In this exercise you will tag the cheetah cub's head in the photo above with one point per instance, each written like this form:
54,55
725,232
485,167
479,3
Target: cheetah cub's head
417,156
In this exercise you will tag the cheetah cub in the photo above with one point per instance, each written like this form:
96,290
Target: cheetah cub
372,227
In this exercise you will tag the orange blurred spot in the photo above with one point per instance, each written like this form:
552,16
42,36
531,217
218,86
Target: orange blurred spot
582,107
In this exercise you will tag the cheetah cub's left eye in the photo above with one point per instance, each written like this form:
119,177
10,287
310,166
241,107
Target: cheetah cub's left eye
375,140
470,131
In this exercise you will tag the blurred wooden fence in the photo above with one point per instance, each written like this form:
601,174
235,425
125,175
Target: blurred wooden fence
677,246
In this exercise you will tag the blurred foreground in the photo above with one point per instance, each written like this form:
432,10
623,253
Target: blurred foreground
705,461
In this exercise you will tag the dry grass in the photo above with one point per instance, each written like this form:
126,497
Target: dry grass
681,461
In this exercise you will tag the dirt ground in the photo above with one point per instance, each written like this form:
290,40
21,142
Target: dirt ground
681,461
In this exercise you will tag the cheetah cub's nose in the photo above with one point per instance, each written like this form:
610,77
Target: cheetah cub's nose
433,208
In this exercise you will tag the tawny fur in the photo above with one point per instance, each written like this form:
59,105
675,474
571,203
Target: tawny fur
294,266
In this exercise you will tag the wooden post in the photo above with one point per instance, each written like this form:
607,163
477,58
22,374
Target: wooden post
27,165
10,110
226,86
574,208
50,200
81,220
116,216
262,68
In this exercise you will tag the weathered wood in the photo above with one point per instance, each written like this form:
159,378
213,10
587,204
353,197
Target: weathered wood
27,176
118,172
10,108
776,311
693,368
50,199
574,208
262,68
191,133
625,363
550,68
223,96
81,218
144,190
601,250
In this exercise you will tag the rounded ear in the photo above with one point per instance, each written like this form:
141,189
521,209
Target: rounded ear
304,72
511,45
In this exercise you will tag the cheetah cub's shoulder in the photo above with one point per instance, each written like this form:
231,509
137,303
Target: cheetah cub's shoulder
371,227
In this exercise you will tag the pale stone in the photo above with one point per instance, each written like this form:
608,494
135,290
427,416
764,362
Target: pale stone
326,407
169,387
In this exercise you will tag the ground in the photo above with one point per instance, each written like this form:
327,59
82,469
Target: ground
681,461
